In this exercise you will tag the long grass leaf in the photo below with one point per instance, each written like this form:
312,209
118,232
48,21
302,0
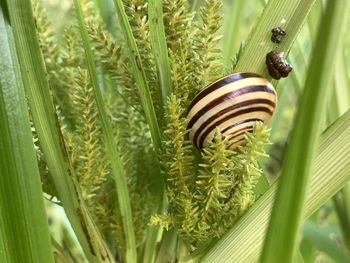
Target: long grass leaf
289,14
159,47
321,239
112,149
307,248
233,24
46,124
339,102
244,241
288,208
140,77
24,232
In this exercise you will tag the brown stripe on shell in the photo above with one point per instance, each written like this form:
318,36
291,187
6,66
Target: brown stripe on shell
201,135
220,83
232,108
227,96
240,136
241,122
240,131
236,143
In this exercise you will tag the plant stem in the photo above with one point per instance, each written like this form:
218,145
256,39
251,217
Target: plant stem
140,77
341,203
287,213
112,148
24,232
46,124
167,250
159,47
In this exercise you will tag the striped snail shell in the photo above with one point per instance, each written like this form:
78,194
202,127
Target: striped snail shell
233,103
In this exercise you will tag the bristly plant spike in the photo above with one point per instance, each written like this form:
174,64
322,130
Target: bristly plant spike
110,143
204,206
198,212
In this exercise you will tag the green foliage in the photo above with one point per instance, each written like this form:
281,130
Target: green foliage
208,191
201,190
137,13
193,51
84,138
208,53
180,31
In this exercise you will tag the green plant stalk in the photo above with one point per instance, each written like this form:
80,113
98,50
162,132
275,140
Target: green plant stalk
152,237
313,20
159,47
160,53
149,247
24,232
167,250
307,247
234,24
243,243
148,107
112,149
338,103
105,8
46,124
59,252
341,203
140,77
341,80
293,13
286,216
298,258
323,242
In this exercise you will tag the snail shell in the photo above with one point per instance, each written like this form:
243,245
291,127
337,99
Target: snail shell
277,34
233,103
277,65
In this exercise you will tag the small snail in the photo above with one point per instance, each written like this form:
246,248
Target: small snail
277,34
277,65
233,103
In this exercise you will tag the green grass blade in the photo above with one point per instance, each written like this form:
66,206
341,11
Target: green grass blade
338,104
307,248
298,257
46,124
140,77
288,208
342,206
293,13
243,243
112,149
160,53
231,42
321,239
167,250
24,233
159,47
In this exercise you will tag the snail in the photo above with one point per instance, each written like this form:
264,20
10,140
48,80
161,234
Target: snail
277,34
277,65
233,103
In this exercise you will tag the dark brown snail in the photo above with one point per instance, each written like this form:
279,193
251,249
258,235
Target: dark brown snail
277,34
277,65
233,103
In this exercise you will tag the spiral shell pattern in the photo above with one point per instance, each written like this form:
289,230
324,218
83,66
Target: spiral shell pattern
233,103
